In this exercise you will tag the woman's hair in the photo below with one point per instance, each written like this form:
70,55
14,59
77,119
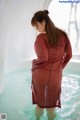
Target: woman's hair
53,32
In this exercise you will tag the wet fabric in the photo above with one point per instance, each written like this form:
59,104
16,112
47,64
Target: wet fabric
47,71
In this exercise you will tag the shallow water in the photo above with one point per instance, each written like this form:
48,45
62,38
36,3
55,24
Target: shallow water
16,99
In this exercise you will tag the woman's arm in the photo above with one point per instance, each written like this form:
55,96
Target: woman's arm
41,52
68,53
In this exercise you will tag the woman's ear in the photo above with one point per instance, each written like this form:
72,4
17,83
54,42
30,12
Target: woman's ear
44,22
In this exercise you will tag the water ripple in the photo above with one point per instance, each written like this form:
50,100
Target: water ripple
70,99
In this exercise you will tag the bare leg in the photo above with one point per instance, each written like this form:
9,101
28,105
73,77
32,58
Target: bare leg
38,112
50,113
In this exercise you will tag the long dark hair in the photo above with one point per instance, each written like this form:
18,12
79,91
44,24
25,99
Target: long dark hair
53,32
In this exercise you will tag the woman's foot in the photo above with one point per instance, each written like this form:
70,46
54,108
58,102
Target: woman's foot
51,113
50,118
37,118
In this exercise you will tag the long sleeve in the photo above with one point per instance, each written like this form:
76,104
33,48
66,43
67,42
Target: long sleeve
68,53
41,52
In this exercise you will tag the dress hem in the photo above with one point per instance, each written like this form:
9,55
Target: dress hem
48,106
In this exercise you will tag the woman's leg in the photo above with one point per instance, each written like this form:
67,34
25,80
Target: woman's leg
38,112
50,113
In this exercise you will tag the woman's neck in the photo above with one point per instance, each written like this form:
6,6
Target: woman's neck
42,32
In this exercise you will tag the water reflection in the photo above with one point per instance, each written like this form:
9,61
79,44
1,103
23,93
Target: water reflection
70,99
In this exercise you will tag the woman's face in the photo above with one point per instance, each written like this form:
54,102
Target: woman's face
40,26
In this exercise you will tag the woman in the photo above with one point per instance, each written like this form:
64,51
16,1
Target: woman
53,50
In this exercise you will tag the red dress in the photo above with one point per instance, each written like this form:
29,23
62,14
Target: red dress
47,71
